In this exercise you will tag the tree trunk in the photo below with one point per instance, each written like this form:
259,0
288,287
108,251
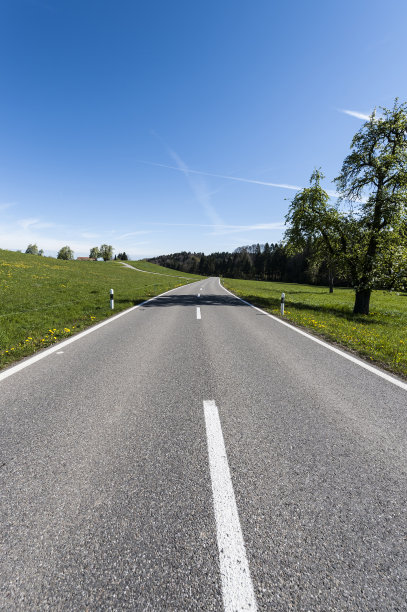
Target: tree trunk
362,301
331,281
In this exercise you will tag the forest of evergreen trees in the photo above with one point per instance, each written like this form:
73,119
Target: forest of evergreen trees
270,262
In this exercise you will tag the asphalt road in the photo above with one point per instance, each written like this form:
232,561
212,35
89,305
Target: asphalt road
116,492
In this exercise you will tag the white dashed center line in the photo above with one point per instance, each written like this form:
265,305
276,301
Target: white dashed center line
198,312
237,587
59,352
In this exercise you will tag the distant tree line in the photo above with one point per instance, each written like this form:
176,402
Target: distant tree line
269,262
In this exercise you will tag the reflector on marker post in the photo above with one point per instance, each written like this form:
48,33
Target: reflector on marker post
282,304
111,299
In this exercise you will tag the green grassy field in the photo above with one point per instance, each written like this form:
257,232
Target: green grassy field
43,300
381,337
150,267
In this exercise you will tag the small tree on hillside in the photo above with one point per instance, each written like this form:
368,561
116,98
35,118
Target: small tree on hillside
94,253
65,253
106,251
32,249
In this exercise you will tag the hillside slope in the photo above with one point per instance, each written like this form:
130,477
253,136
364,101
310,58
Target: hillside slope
147,266
43,299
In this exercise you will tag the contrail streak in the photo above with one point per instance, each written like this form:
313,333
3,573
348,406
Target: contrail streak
330,192
224,176
356,114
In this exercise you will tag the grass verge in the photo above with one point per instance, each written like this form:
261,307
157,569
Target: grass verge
44,300
380,337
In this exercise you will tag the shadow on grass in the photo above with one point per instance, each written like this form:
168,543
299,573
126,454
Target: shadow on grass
319,293
328,309
129,302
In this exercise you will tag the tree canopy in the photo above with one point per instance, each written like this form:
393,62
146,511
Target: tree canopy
365,234
106,251
32,249
65,253
94,253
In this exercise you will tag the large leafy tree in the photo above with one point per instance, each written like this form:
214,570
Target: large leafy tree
365,235
94,253
313,225
374,179
65,253
106,251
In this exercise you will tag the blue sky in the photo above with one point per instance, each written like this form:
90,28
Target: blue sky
164,126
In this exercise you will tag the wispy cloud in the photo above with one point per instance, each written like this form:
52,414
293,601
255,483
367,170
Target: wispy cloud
34,224
14,236
225,176
6,205
131,234
356,114
226,227
233,229
49,236
18,233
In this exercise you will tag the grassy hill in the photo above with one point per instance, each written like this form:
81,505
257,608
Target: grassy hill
43,300
381,337
150,267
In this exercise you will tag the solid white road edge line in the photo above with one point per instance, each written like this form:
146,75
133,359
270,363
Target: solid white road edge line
237,587
27,362
359,362
198,312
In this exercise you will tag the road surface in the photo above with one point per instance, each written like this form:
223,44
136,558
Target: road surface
194,454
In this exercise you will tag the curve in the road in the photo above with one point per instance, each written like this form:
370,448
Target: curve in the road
148,272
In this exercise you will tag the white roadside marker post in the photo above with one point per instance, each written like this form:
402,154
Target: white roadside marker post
282,304
111,299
